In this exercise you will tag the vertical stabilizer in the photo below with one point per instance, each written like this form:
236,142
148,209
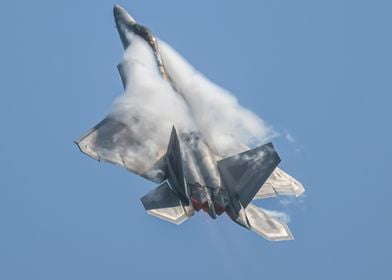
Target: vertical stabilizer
243,174
175,168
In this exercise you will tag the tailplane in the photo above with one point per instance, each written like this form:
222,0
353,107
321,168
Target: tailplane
162,202
265,225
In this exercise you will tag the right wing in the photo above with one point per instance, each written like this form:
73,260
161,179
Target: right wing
280,183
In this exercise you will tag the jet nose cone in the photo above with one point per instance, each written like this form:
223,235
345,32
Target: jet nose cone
121,16
124,24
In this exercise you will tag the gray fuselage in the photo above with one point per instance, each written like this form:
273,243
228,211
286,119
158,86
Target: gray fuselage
202,177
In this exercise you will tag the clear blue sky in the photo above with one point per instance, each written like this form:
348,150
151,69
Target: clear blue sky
318,69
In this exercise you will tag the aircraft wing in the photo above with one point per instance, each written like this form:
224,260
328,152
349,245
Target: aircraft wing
114,142
280,183
136,132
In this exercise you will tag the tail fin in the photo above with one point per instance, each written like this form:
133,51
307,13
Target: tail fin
243,174
175,168
162,202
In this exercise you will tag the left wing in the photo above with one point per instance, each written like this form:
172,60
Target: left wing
113,141
135,135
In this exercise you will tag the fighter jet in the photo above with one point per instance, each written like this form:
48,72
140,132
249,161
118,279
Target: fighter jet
192,174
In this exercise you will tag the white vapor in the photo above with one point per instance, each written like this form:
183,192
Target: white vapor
223,121
289,137
150,106
290,200
281,216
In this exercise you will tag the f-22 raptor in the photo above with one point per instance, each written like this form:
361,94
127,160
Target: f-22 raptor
192,175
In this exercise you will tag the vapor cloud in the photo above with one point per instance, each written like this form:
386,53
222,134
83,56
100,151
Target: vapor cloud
222,120
281,216
150,106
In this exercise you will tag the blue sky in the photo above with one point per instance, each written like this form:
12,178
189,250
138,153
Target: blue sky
320,70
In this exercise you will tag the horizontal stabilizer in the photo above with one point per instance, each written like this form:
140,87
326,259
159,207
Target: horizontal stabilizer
267,226
243,174
280,183
162,202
